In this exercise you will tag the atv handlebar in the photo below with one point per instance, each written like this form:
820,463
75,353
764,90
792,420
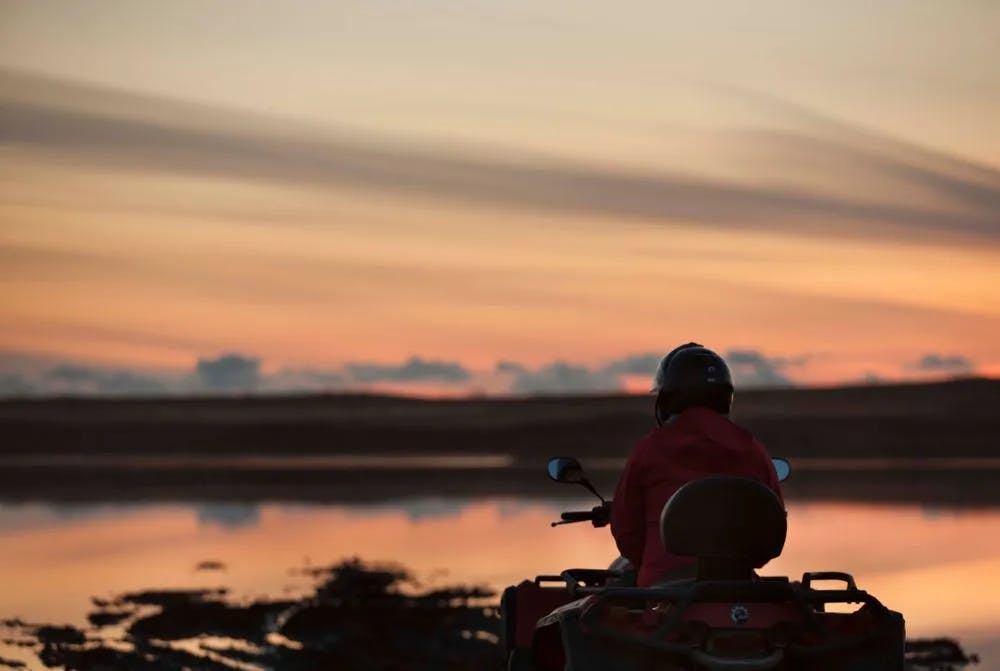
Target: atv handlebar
599,516
577,516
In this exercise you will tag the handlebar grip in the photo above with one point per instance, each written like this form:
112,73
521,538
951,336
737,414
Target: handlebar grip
577,515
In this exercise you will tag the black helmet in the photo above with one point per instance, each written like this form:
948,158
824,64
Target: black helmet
692,375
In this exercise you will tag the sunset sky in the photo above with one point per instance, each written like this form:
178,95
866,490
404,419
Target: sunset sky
482,196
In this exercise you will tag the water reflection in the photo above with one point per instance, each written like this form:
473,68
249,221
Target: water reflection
259,462
229,515
415,510
941,568
15,516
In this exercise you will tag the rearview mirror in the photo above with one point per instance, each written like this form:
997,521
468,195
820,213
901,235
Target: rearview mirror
565,469
782,467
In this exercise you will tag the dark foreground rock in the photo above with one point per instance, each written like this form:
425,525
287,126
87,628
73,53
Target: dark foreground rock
358,617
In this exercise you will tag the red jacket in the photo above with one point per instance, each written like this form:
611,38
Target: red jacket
697,443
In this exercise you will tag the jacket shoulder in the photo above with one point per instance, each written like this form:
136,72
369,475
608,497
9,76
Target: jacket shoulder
746,435
644,443
742,430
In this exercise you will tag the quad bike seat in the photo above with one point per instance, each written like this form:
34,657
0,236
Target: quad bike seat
731,525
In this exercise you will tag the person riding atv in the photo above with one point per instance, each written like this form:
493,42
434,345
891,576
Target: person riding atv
694,439
698,509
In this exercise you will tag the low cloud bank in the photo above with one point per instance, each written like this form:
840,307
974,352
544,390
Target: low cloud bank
81,380
561,377
751,369
413,370
950,364
229,373
235,373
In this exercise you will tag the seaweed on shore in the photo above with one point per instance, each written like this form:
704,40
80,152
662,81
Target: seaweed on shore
358,617
937,654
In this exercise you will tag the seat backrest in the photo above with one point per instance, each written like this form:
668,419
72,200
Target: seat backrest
724,521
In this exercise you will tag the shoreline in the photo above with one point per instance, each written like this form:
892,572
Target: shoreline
960,489
932,444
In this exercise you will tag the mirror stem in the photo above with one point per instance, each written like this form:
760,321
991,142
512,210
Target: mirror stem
586,483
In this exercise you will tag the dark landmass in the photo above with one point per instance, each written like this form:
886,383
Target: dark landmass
928,443
358,617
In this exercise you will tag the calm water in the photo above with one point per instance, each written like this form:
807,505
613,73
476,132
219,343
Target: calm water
941,568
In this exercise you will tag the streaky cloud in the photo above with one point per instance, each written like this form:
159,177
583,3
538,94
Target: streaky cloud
853,134
163,138
909,167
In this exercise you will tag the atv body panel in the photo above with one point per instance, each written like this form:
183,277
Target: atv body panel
726,626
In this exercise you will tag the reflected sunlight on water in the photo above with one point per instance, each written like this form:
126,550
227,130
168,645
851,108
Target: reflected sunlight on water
940,568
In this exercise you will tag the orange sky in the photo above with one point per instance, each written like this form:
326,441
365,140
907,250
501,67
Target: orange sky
315,186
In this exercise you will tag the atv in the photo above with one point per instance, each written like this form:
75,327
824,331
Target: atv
722,617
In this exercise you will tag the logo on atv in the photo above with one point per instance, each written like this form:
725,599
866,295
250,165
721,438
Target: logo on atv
739,614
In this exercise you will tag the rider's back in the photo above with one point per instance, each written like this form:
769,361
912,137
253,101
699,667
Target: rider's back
696,443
